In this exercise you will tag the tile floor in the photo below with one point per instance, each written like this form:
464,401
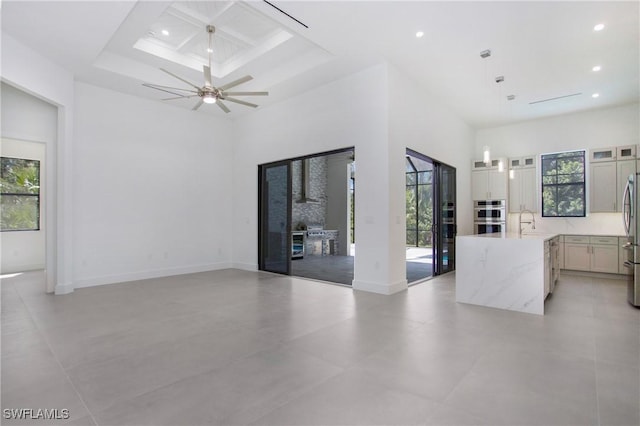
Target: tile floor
236,347
339,269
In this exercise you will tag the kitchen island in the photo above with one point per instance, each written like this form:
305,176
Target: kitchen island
509,271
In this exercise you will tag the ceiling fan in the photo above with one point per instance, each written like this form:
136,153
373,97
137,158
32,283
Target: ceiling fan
208,94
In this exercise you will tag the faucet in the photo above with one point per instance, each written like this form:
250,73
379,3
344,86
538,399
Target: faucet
532,222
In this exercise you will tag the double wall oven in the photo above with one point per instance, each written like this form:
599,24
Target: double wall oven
490,217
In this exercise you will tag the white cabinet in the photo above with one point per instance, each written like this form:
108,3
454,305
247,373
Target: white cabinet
603,180
610,168
577,254
627,152
604,254
561,252
602,154
551,264
555,261
547,268
523,189
488,182
594,254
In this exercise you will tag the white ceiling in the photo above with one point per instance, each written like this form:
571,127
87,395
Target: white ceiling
543,49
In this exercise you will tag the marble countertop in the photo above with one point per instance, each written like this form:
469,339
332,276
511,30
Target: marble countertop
513,236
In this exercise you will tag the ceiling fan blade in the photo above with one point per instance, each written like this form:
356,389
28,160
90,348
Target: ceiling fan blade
235,83
207,76
158,86
198,105
238,101
179,97
223,106
246,93
180,78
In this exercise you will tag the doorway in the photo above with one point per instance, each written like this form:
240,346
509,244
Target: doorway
430,217
306,225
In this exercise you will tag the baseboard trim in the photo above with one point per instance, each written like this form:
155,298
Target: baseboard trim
143,275
380,288
244,266
593,274
61,289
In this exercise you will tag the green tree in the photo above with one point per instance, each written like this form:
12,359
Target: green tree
419,208
20,191
563,184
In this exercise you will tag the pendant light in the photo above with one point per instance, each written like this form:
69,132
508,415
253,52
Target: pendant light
486,152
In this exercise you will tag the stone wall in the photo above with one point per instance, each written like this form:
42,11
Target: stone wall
310,213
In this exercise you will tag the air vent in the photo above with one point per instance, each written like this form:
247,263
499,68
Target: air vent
285,13
554,99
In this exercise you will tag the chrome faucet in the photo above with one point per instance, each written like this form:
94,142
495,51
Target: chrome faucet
532,221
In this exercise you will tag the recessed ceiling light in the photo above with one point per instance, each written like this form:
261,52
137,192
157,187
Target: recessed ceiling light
595,95
209,50
598,27
419,34
165,32
596,68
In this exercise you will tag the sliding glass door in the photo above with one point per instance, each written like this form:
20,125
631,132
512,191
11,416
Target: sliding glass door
274,229
445,246
419,181
431,217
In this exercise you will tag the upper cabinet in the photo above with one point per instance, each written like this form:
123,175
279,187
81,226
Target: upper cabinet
610,168
489,181
602,154
522,184
603,179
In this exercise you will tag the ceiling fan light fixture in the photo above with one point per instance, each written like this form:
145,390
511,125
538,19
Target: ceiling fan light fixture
208,94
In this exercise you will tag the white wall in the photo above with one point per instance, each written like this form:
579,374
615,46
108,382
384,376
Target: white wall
341,114
152,189
27,70
585,130
424,124
380,123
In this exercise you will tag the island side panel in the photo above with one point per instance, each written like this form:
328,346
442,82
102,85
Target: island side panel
501,273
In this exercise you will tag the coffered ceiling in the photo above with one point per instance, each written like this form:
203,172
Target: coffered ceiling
546,51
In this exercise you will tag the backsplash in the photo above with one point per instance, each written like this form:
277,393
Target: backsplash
313,213
593,224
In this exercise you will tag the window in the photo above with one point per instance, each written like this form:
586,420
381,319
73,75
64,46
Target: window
563,184
19,194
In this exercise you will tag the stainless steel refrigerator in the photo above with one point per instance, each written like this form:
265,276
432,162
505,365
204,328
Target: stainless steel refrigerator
631,216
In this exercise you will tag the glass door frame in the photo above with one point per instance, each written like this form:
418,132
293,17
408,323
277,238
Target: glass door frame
438,221
263,217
